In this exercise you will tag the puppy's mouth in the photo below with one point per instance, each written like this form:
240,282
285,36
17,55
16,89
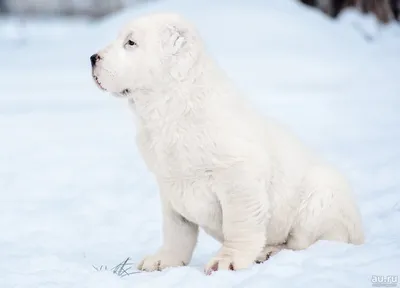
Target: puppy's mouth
96,79
125,92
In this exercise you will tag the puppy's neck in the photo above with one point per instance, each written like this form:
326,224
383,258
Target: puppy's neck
173,100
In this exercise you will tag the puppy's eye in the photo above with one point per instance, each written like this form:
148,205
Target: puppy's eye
131,43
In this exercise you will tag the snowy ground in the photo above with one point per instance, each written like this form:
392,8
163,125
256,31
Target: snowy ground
74,191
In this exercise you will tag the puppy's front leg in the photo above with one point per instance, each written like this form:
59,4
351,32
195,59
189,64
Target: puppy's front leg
179,241
244,211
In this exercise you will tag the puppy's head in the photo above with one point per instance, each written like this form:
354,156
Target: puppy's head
149,52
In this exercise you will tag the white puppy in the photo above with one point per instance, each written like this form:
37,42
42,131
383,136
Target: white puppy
245,180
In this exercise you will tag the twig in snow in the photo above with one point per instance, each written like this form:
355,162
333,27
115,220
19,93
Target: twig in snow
121,269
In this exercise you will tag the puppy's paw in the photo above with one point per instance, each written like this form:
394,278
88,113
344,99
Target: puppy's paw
228,262
160,261
268,252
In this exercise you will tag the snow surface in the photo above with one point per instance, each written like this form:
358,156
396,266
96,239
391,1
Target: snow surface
74,191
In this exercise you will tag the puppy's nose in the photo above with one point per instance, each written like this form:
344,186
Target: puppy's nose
94,58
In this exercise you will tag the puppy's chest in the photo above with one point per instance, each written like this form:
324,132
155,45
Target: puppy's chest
195,200
180,149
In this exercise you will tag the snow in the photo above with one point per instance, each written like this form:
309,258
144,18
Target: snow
74,191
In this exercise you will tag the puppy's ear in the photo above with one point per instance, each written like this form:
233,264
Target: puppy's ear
182,50
177,39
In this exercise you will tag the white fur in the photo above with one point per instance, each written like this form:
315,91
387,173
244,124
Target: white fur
219,165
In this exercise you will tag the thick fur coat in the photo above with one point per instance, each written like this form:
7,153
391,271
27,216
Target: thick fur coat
245,180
